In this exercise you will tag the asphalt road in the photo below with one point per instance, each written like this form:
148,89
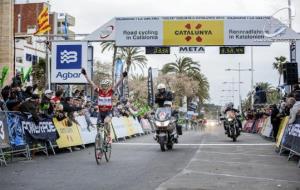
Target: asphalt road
201,160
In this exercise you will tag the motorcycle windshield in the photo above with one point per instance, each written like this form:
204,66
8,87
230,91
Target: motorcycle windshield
163,114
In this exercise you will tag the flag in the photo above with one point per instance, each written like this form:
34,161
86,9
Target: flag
43,22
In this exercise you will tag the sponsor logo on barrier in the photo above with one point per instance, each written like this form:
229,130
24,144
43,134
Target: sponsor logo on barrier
42,127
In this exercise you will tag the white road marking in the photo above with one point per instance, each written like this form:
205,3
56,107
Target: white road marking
239,176
239,153
200,144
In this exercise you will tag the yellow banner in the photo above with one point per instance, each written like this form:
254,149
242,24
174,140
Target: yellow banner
281,130
128,123
68,136
191,32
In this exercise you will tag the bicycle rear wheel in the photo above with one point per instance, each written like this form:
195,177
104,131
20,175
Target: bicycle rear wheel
107,148
98,148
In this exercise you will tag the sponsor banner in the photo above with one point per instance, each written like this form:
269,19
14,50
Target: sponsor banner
200,30
281,130
104,33
4,137
193,32
137,125
119,128
68,135
44,130
15,130
128,124
118,72
267,128
67,60
150,88
191,49
145,125
87,134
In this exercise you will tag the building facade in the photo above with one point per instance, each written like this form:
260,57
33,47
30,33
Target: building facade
30,48
6,38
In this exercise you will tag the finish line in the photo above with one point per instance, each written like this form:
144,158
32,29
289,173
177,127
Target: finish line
199,144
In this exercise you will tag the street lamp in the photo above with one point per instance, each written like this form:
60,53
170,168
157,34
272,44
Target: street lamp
239,70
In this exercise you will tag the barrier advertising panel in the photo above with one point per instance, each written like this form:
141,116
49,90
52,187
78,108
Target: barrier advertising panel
87,134
68,135
281,130
4,139
15,130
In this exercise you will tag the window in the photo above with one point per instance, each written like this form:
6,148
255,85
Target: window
28,57
34,59
19,59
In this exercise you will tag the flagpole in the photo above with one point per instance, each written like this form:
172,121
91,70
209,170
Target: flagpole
47,52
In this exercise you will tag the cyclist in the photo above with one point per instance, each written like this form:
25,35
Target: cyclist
105,92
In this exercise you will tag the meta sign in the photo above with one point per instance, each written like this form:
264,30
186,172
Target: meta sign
67,60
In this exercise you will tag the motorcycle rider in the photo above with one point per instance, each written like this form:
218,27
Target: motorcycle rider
162,95
230,107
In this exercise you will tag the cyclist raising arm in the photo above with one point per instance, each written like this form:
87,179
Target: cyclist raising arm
105,93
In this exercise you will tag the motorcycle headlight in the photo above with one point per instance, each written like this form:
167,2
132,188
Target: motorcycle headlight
230,119
162,124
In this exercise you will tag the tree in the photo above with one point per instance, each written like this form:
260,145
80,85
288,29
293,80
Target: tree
109,46
133,57
182,65
140,88
278,65
38,73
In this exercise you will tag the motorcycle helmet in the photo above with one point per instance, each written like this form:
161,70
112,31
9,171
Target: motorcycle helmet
167,104
161,87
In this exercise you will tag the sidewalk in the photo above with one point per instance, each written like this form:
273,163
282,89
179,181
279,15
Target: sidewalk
250,163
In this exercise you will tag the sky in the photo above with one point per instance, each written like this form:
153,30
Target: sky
91,14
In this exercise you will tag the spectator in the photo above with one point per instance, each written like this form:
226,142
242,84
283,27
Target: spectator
46,105
294,104
14,101
58,96
275,120
32,106
17,80
70,108
28,92
76,93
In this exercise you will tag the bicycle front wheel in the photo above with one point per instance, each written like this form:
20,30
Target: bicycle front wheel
107,147
98,148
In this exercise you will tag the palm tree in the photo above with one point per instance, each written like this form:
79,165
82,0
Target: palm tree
109,46
278,65
133,57
203,86
182,65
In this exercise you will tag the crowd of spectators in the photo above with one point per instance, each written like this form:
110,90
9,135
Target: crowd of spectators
289,106
49,104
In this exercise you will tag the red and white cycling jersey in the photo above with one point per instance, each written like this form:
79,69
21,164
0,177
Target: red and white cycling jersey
105,100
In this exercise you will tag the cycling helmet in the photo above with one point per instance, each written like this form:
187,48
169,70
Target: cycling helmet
105,84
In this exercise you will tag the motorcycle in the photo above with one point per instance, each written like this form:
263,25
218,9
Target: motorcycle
165,126
231,125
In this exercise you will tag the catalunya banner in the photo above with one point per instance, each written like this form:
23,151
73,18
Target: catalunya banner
200,31
68,135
